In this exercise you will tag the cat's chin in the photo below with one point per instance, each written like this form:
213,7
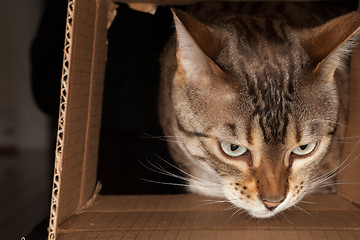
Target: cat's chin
267,214
262,213
258,210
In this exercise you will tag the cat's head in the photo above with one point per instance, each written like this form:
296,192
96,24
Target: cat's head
261,101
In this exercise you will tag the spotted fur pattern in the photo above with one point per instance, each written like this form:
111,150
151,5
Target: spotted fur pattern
264,76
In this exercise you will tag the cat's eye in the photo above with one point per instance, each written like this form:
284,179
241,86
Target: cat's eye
304,149
232,150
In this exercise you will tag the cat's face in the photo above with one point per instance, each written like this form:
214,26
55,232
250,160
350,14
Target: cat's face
261,125
266,156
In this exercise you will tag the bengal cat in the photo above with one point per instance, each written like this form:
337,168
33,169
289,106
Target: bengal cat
251,98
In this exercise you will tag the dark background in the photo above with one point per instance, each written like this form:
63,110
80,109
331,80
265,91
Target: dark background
130,127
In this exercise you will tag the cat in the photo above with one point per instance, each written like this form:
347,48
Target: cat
251,96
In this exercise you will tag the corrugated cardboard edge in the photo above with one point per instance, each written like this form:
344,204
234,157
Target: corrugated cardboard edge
61,124
53,220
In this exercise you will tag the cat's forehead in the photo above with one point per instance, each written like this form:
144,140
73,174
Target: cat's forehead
261,47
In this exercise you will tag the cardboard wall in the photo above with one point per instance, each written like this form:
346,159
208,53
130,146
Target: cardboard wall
349,177
80,108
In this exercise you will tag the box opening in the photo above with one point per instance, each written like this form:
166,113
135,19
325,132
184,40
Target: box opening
120,129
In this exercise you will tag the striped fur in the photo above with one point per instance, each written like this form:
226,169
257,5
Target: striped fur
242,74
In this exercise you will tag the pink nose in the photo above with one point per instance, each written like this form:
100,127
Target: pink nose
271,205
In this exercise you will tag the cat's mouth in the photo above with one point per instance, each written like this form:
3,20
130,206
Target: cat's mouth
257,207
263,211
263,214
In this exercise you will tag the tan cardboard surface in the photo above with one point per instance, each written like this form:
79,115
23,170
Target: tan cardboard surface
194,217
351,153
99,53
214,235
80,109
187,202
77,105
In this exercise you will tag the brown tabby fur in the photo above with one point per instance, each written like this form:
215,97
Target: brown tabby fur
266,76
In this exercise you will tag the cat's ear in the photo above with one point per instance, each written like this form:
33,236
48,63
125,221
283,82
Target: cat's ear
333,41
197,45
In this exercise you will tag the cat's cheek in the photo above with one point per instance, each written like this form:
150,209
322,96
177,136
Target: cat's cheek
301,163
194,147
243,195
195,187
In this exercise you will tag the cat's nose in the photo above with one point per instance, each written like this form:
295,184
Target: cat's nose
272,205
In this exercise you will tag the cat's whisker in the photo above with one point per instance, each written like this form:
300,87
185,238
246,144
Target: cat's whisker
217,201
328,121
147,135
283,214
345,142
166,183
166,173
308,202
302,209
231,207
212,200
336,171
323,178
352,137
200,182
177,139
239,211
190,175
209,202
178,177
324,185
343,168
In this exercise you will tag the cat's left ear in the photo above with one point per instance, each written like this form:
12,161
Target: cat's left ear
333,41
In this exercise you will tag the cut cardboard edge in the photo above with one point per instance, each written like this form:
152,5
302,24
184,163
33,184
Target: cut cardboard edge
63,109
53,224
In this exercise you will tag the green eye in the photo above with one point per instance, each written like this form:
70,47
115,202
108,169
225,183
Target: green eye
304,149
232,150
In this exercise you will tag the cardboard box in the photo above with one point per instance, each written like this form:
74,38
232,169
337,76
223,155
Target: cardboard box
78,212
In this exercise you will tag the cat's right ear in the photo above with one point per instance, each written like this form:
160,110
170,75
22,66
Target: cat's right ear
197,46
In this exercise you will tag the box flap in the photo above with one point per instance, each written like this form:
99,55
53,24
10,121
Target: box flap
195,217
80,108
